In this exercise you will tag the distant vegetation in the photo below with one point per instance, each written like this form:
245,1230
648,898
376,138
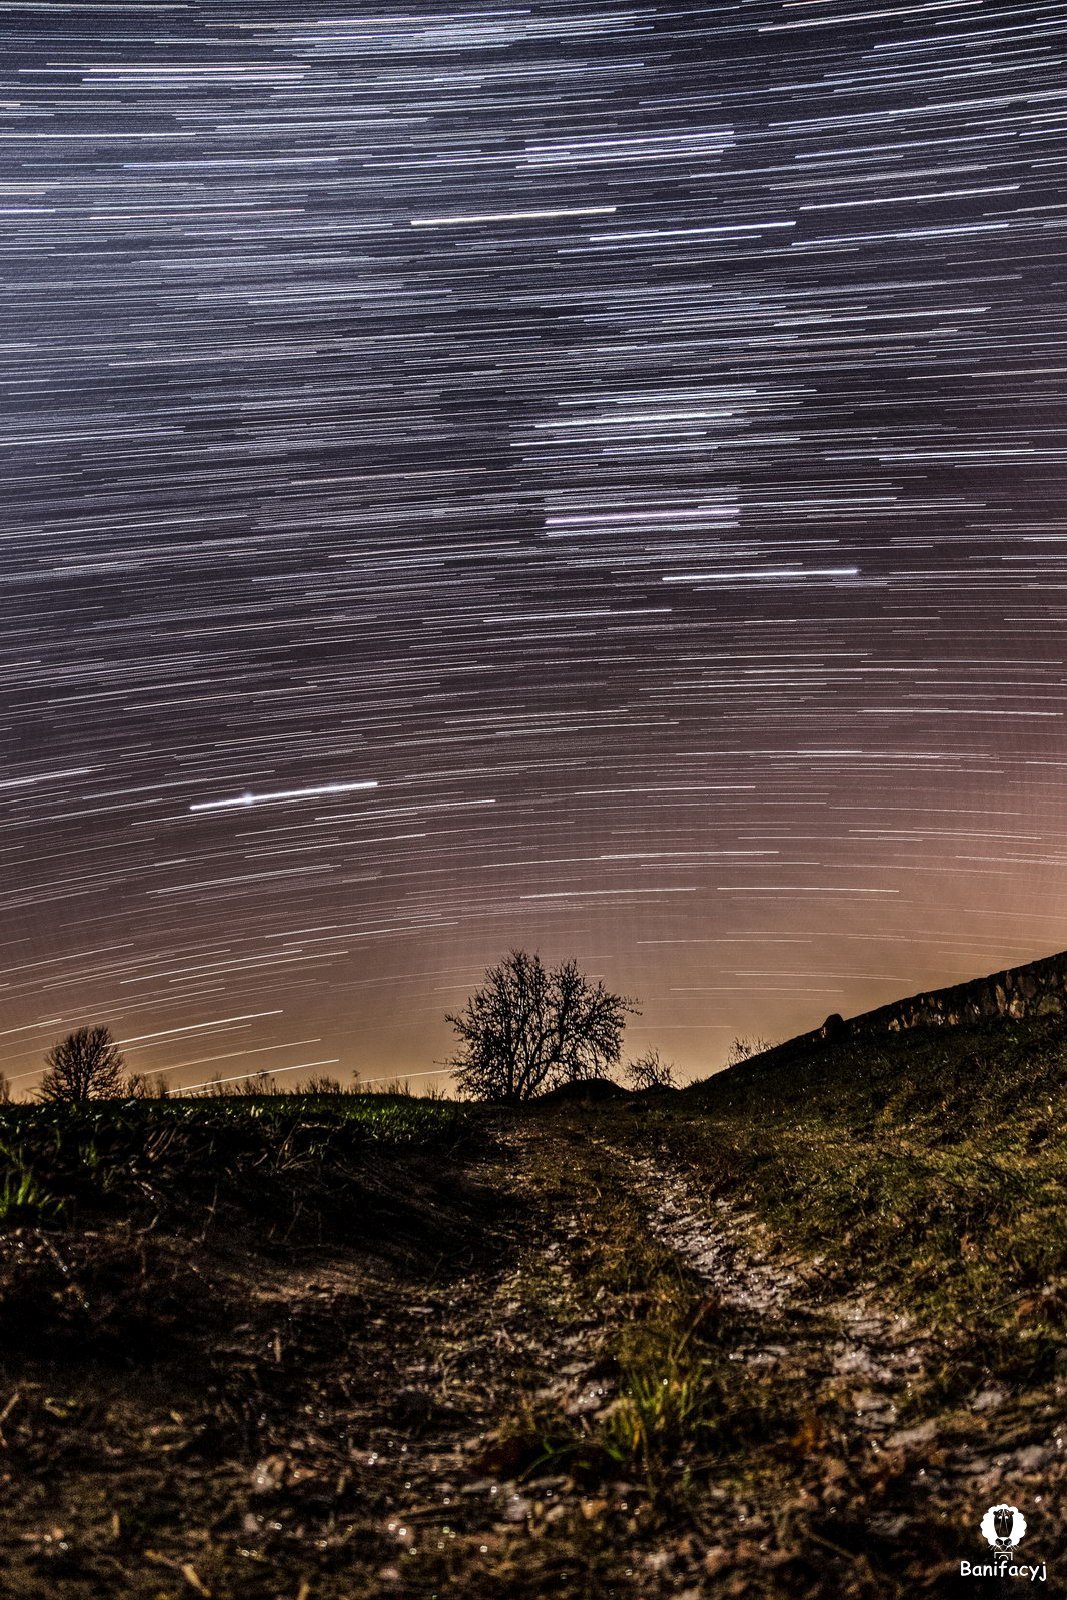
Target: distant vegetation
88,1065
530,1029
650,1071
742,1049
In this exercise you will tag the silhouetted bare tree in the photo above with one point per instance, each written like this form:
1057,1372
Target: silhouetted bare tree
650,1071
86,1065
529,1029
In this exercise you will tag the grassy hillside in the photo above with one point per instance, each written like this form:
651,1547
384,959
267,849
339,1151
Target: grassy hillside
931,1163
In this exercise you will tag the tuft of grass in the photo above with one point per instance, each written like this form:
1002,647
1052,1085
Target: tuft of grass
664,1406
682,1402
683,1408
678,1406
23,1200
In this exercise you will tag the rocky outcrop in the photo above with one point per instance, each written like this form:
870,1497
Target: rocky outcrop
1038,989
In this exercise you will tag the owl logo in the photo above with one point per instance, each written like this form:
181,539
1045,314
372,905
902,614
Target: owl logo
1003,1527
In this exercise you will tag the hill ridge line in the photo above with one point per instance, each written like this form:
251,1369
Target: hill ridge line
1031,989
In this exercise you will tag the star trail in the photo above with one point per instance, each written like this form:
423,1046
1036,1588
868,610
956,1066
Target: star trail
582,476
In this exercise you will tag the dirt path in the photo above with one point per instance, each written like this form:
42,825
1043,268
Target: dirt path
627,1391
853,1340
842,1486
856,1343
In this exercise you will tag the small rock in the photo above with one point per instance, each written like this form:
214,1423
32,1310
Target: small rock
268,1476
922,1433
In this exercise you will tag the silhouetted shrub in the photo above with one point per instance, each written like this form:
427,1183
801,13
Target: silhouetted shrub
650,1071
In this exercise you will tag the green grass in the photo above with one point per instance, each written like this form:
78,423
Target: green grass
272,1158
682,1402
929,1166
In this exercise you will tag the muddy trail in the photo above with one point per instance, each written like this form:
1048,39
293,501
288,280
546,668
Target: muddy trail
608,1384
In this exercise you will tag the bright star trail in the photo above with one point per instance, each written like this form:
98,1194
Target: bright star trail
250,799
588,477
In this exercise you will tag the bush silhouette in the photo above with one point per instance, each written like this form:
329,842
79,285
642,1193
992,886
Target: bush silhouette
650,1071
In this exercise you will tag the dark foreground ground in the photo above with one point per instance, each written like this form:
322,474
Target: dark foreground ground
788,1334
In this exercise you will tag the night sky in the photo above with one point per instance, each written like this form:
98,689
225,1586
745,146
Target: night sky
580,476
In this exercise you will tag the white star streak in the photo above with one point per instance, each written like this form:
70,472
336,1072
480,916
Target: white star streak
311,793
